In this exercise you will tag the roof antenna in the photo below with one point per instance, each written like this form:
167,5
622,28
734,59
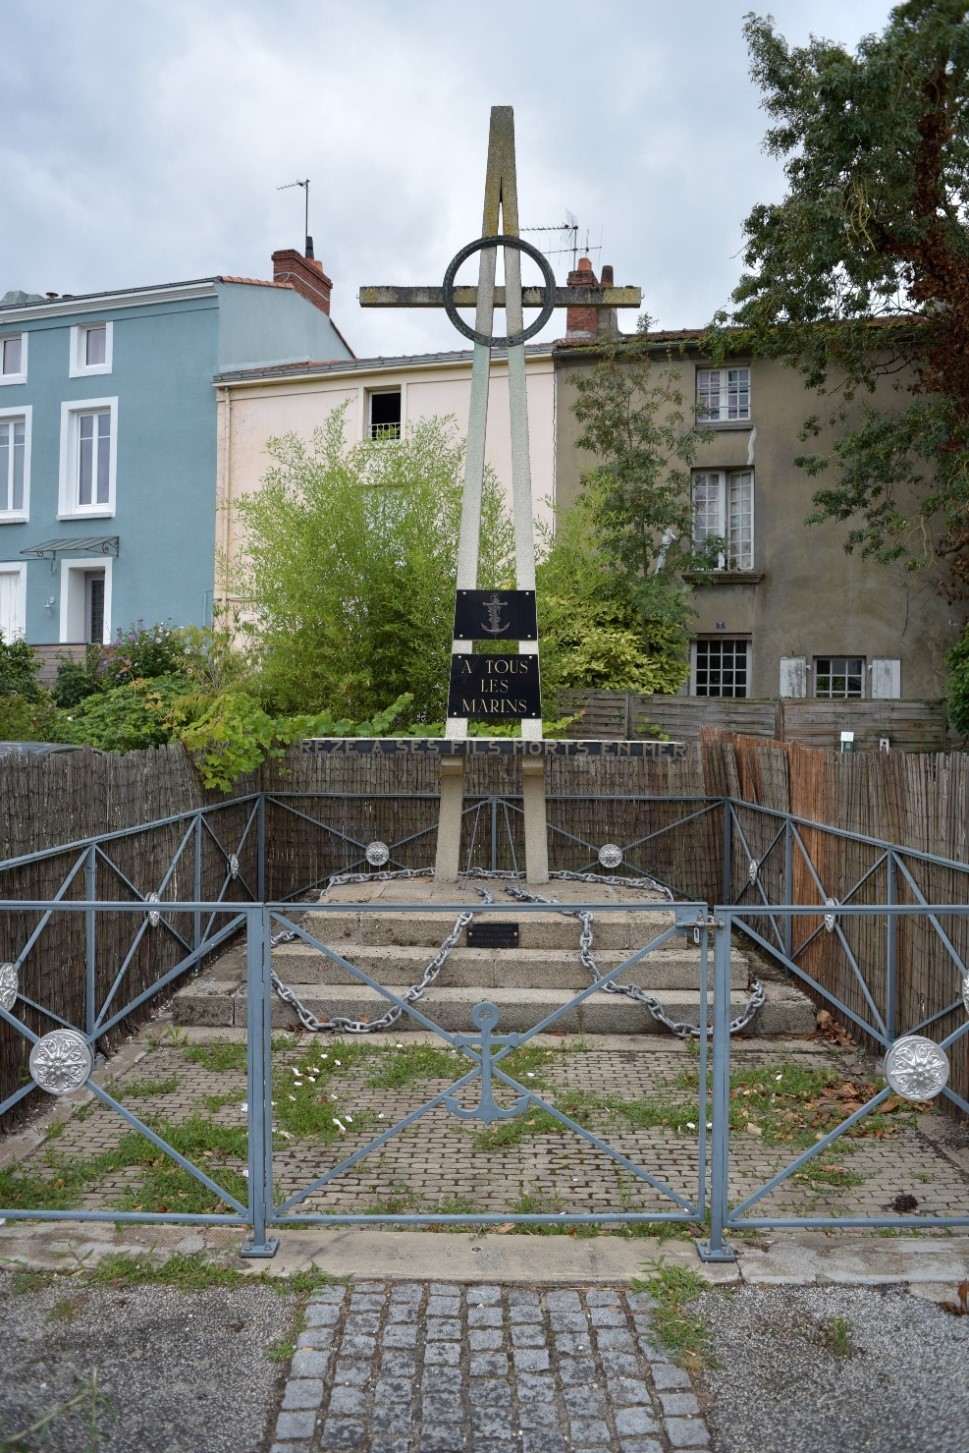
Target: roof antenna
305,184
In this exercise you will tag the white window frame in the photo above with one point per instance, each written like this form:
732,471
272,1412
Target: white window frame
19,572
74,575
20,377
69,507
723,383
79,368
708,640
371,394
15,517
740,550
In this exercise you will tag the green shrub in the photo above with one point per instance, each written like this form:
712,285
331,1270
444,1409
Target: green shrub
29,719
123,718
957,685
18,669
141,653
74,682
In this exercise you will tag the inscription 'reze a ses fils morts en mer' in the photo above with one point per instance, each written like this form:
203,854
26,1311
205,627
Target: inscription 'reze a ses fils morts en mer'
494,686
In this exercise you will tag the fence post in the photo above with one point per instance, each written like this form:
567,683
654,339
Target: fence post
258,1031
90,938
726,865
197,885
261,849
788,886
891,944
716,1249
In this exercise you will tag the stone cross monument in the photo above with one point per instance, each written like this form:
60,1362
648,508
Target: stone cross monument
497,687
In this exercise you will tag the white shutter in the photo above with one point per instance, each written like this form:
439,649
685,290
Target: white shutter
793,676
886,678
12,603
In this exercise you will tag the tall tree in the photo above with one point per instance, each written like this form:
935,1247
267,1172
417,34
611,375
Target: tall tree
860,276
636,496
349,564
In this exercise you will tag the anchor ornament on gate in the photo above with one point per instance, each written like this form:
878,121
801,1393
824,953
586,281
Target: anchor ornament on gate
485,1017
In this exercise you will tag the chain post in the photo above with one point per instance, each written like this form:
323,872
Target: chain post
258,1031
716,1249
494,834
90,939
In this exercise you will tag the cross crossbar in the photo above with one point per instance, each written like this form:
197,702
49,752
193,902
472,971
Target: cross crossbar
389,296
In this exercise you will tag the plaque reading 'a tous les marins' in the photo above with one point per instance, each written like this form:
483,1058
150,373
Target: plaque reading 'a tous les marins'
498,615
494,687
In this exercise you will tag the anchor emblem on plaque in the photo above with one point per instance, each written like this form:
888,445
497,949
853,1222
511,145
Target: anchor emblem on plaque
485,1017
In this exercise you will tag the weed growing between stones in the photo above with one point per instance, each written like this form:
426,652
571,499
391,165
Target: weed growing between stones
682,1331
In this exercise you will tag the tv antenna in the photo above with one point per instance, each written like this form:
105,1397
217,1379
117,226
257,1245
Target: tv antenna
569,236
305,184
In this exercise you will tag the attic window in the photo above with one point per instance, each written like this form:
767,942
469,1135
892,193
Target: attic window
91,349
385,414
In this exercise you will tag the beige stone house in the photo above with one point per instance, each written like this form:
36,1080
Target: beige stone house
789,613
383,397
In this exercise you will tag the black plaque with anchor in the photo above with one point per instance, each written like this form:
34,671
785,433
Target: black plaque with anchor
495,615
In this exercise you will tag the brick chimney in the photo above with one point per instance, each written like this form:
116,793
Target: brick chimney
590,323
305,274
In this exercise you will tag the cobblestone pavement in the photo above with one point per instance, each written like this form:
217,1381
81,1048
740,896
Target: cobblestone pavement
411,1367
439,1165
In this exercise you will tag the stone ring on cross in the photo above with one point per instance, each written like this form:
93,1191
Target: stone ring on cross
548,304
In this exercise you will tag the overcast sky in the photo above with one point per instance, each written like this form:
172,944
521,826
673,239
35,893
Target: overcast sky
143,141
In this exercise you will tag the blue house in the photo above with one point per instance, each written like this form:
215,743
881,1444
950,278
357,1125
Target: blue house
108,441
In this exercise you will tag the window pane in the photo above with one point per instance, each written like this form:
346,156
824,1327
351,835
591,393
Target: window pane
721,668
12,354
740,521
104,457
95,340
837,677
738,393
708,393
19,445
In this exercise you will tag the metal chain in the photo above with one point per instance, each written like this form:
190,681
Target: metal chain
342,1024
682,1029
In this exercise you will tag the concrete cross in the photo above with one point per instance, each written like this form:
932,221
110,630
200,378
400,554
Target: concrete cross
499,228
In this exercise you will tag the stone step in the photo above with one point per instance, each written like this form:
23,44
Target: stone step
401,965
620,929
222,1003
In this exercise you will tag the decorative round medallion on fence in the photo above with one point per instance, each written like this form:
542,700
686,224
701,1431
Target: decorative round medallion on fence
9,985
830,919
233,866
61,1061
753,868
154,917
965,992
377,854
610,855
916,1068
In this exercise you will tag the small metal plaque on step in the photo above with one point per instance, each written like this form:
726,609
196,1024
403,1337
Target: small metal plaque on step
495,934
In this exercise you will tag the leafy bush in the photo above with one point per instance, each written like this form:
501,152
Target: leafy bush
18,669
957,685
28,719
75,681
141,653
123,718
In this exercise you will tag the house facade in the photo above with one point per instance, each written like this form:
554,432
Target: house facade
108,442
383,398
788,613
